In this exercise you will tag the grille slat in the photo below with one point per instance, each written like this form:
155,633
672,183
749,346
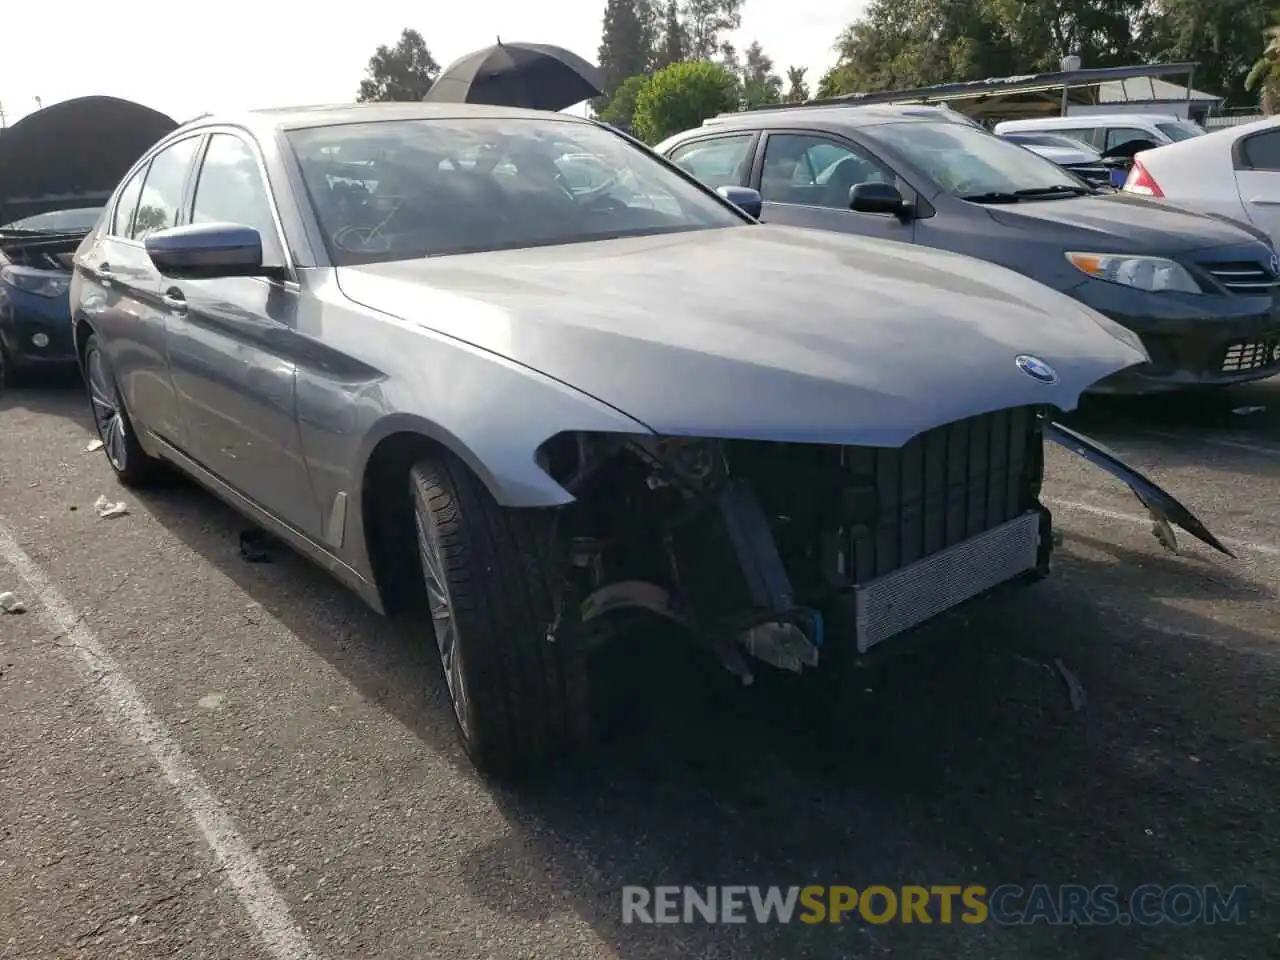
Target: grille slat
1243,276
945,486
1251,355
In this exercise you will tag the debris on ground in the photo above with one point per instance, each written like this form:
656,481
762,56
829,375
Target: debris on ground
211,701
93,445
107,509
1245,411
1075,689
255,546
10,603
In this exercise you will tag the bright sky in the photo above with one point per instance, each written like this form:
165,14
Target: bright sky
237,54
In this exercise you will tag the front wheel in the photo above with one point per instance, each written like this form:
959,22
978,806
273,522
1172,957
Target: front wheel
520,699
133,466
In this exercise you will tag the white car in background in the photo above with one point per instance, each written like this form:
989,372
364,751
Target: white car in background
1234,172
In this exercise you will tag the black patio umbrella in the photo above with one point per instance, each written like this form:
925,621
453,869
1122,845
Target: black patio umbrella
537,76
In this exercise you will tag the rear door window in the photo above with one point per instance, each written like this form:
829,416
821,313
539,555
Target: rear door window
721,162
1262,151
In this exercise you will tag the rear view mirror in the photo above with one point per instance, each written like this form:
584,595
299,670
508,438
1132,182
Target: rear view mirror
876,197
744,198
204,251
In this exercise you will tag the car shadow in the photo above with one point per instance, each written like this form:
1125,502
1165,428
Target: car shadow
963,762
1235,409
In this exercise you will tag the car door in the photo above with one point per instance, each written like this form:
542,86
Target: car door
804,180
231,343
719,161
1256,160
126,310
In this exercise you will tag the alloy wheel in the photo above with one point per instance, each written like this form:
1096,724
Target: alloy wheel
442,619
107,414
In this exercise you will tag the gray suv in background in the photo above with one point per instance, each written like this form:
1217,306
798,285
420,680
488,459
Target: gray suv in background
1202,292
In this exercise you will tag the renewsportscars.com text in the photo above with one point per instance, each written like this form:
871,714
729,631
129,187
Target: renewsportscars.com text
1009,905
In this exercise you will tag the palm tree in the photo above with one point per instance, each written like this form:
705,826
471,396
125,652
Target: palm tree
1265,75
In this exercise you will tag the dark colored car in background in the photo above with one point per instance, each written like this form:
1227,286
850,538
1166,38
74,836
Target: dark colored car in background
57,168
1072,155
1199,290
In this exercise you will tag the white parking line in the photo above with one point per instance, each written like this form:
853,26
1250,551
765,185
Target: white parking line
121,700
1265,549
1215,442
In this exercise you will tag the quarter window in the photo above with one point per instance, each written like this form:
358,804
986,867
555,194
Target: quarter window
162,190
815,172
127,205
230,189
721,162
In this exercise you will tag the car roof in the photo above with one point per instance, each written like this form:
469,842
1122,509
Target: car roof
1086,120
834,116
328,115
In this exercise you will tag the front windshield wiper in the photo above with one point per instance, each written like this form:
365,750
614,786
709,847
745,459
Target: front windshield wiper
1029,193
993,196
1058,189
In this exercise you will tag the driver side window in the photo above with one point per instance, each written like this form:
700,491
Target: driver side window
814,171
230,189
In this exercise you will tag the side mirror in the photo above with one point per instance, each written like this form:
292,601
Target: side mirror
744,198
876,197
205,251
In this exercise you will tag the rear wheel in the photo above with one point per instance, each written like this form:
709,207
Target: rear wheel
133,466
520,700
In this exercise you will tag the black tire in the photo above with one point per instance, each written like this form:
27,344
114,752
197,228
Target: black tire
133,466
521,701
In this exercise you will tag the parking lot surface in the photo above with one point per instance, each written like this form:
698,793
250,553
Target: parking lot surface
204,757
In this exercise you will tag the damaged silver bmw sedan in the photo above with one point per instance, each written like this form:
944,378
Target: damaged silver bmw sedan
530,406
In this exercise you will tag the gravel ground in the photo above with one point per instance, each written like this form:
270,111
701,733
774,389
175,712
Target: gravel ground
314,734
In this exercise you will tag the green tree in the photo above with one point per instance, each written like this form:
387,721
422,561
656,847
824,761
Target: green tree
620,110
910,43
1226,39
797,88
1265,75
706,22
760,84
626,42
403,72
682,96
673,40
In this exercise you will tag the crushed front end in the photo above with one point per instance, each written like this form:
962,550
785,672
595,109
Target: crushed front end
777,550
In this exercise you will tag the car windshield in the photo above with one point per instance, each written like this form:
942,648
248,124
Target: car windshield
972,164
1048,140
402,189
58,221
1180,130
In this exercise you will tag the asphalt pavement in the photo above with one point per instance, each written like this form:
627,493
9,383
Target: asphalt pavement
205,757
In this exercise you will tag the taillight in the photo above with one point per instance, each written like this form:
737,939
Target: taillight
1141,181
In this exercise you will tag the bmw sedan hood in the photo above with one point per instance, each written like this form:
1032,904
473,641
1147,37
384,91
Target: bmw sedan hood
1123,223
763,332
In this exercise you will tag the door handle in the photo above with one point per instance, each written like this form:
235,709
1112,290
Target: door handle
175,301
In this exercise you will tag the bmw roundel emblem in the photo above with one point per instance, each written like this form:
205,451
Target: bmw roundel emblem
1275,264
1035,367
